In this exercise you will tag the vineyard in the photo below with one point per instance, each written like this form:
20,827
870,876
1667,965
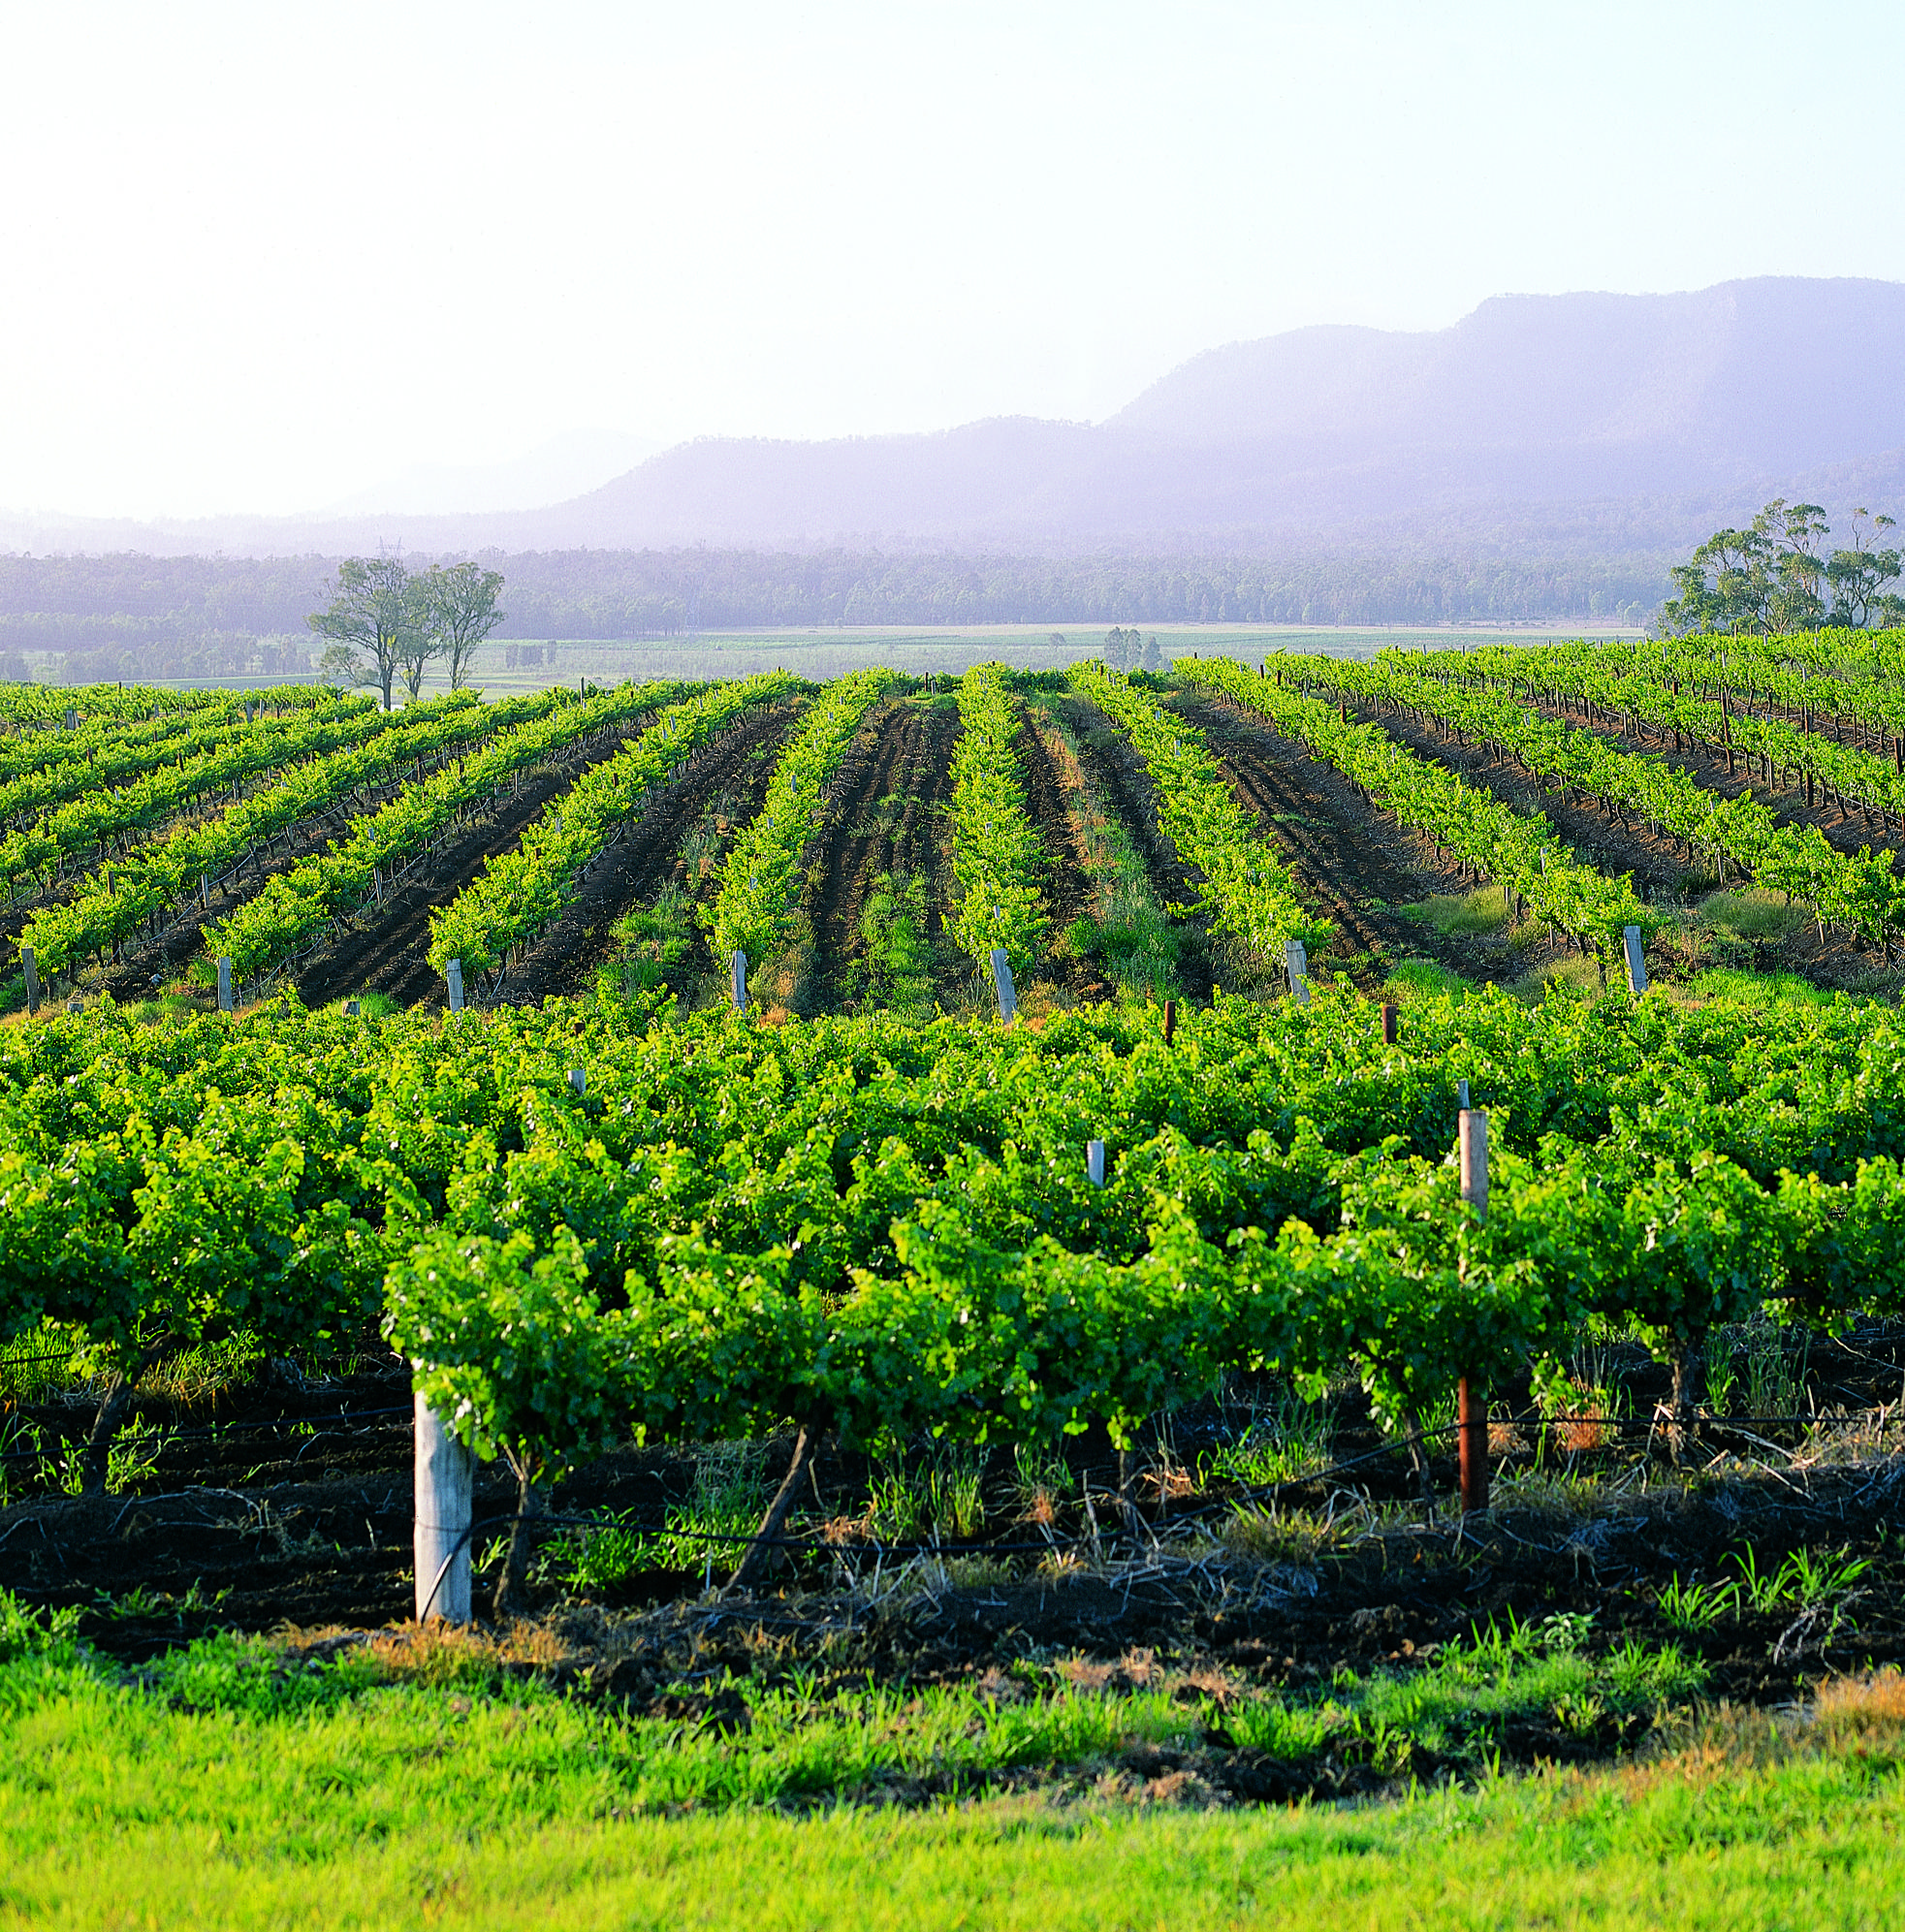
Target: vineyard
1150,1158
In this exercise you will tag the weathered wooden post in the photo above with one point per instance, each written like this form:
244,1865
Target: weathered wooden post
1095,1162
32,975
1636,961
738,974
1389,1026
445,1491
1471,1400
453,974
224,986
1001,979
1297,959
1170,1020
579,1080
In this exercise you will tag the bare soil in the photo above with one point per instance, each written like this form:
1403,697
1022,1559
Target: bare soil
630,874
1067,887
1351,862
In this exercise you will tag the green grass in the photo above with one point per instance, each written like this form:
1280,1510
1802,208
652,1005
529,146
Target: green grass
1756,989
1752,913
1483,911
229,1786
1423,979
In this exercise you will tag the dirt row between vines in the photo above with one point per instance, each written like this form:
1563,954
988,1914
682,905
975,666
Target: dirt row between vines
1124,786
1660,868
567,957
894,788
1351,862
1843,828
1067,887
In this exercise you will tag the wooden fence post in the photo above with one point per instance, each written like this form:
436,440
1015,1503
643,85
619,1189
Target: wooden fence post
1636,961
1095,1162
224,986
738,974
445,1494
453,974
1471,1400
579,1079
28,967
1001,979
1170,1020
1389,1026
1296,958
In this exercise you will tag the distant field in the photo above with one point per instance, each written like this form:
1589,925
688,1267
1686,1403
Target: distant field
818,651
826,653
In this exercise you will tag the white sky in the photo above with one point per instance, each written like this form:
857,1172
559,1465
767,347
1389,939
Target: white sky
255,257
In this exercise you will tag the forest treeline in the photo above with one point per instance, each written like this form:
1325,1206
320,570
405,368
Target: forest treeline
121,616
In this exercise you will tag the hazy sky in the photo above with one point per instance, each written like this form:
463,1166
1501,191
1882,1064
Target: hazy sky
257,257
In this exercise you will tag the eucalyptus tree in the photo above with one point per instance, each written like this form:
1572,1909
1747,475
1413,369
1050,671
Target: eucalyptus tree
375,608
459,604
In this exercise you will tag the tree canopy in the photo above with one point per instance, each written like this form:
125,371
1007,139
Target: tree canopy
403,619
1777,577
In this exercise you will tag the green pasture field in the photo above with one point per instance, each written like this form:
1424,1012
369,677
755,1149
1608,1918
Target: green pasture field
232,1784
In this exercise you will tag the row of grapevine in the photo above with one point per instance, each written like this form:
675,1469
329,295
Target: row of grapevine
1739,674
1632,700
761,880
83,829
296,910
46,706
520,890
1859,891
141,892
1521,850
117,762
889,1227
997,854
1249,893
96,741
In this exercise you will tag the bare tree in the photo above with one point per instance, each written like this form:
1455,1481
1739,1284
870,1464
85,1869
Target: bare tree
460,604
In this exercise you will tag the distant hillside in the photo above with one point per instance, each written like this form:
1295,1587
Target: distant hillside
1680,408
1539,426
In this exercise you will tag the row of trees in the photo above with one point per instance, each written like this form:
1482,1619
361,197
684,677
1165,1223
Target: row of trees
149,605
1777,577
387,620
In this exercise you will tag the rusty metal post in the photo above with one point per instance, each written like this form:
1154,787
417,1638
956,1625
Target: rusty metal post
1472,1430
1170,1020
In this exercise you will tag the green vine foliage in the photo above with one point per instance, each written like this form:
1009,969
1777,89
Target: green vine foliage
1522,850
888,1226
1250,893
755,909
519,892
997,854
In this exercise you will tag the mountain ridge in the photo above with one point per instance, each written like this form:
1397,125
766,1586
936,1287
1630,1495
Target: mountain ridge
1665,411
